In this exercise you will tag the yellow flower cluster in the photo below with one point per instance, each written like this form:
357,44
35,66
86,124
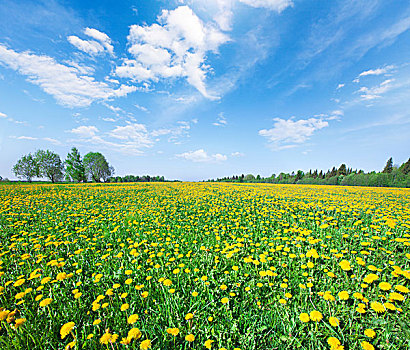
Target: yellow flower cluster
204,265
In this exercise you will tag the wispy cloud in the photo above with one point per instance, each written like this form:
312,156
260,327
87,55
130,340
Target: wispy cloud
221,120
377,91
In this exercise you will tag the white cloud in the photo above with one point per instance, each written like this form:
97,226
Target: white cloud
273,5
101,43
375,91
3,115
237,154
289,133
200,156
176,133
53,141
142,108
340,86
64,83
30,138
378,71
103,38
133,133
112,120
336,115
221,120
116,110
130,139
85,131
174,48
88,46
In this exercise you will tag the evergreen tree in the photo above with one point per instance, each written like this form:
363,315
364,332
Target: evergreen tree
389,166
405,167
75,170
342,170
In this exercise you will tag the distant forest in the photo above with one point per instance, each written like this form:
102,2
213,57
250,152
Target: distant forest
390,176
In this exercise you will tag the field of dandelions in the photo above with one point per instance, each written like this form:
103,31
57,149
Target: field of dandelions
204,266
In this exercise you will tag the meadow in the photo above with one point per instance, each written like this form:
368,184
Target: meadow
204,266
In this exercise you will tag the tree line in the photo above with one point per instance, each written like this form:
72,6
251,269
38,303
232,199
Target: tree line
92,167
390,176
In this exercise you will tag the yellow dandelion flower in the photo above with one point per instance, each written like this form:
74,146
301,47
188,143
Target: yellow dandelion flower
134,333
132,319
145,345
334,321
46,302
66,329
304,317
173,331
343,295
190,338
316,316
366,346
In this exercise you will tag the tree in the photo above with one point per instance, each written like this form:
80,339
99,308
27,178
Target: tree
342,170
75,170
405,167
49,165
26,167
249,177
299,175
97,167
389,166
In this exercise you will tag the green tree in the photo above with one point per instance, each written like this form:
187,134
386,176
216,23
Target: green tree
26,167
342,170
97,167
74,167
249,178
405,167
49,165
389,166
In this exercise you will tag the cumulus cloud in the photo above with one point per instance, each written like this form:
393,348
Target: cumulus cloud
289,133
200,156
3,115
65,83
175,47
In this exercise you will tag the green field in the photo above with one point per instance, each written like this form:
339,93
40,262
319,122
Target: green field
204,266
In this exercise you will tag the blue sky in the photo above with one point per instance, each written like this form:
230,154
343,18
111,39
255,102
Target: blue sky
202,89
